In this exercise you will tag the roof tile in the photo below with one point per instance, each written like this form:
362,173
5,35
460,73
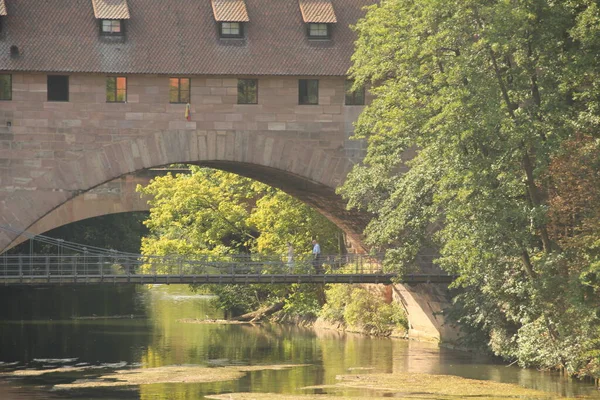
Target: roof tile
110,9
230,10
175,37
2,8
317,11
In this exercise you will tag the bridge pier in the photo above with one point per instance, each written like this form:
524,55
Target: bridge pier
425,304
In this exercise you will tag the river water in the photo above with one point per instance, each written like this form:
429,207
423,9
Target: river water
61,326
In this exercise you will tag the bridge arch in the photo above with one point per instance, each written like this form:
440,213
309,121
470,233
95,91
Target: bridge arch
305,172
114,197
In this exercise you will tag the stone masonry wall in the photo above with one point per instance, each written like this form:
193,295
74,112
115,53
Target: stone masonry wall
116,196
51,152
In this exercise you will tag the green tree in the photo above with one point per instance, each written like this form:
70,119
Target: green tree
215,212
204,212
477,98
355,306
281,219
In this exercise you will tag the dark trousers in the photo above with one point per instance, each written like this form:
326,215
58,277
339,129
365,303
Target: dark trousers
317,263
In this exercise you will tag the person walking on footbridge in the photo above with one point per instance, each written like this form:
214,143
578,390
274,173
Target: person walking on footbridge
316,252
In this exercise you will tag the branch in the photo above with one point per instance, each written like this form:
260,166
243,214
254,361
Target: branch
455,51
527,165
220,214
535,91
259,314
527,264
511,106
533,195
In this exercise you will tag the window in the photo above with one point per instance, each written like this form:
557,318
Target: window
111,27
318,31
308,91
231,30
247,91
356,98
116,89
58,88
5,87
179,90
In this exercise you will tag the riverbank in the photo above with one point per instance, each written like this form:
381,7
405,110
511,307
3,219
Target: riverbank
397,332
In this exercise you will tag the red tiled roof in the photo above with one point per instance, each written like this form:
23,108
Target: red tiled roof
318,11
110,9
230,10
2,7
175,37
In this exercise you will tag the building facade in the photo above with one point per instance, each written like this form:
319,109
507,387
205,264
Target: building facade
91,90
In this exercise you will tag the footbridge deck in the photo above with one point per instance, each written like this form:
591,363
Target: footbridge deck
120,268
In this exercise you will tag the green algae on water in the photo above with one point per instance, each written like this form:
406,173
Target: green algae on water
405,386
169,374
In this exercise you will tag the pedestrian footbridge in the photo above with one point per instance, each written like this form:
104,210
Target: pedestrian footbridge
421,290
123,268
72,263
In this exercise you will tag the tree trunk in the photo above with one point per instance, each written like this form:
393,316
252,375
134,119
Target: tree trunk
260,313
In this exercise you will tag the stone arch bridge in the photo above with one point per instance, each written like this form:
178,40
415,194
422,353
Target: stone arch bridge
58,152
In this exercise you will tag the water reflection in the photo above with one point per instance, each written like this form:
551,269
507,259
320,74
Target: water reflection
43,323
419,357
39,325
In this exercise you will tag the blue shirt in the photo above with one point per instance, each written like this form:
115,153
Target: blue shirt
316,249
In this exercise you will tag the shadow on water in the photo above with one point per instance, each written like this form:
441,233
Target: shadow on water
41,323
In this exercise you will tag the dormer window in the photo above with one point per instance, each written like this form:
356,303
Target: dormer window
231,30
111,15
318,31
319,17
231,16
111,27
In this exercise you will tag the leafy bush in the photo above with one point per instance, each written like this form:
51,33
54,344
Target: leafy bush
358,307
302,301
337,297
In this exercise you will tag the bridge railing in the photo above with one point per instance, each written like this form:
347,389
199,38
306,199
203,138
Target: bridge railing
260,264
56,265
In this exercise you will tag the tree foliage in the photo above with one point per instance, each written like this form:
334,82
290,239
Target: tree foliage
483,101
216,212
355,306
